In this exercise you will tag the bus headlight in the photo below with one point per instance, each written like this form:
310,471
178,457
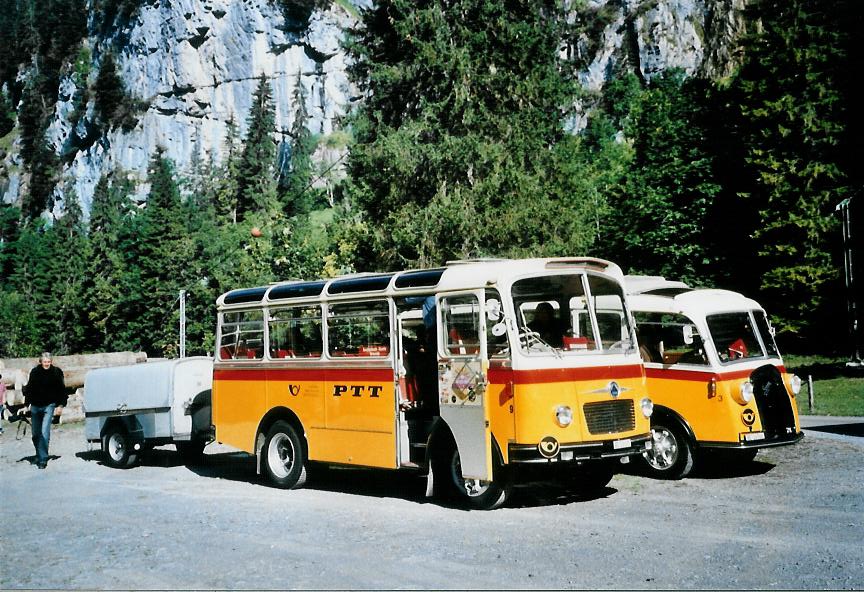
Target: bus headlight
564,416
795,384
746,392
647,407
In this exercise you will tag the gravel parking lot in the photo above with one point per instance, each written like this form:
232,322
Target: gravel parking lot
792,519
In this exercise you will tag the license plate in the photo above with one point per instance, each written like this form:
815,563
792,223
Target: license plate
619,444
754,436
566,455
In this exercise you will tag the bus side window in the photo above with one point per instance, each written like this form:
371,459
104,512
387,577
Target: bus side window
359,329
296,332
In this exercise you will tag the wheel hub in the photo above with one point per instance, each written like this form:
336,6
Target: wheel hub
664,451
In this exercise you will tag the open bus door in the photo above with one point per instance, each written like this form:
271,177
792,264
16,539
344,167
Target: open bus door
462,367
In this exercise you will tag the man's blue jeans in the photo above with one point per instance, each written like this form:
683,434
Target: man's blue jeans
40,423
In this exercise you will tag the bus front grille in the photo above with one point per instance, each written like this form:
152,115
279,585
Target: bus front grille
609,417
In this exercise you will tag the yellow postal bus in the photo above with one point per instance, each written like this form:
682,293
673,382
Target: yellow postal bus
479,374
714,373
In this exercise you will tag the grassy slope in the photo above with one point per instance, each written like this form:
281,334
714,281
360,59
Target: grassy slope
837,390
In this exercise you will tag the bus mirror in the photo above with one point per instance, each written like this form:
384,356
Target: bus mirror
688,334
499,329
493,309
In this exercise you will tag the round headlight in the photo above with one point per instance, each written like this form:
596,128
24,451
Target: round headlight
647,407
746,391
795,384
564,416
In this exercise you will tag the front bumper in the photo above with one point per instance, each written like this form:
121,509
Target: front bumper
582,451
745,445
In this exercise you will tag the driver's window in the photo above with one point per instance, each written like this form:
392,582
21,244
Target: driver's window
669,338
461,316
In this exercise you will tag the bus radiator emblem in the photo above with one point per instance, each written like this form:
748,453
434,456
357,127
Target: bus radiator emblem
548,447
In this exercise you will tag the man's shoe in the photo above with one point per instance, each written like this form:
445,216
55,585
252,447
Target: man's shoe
41,465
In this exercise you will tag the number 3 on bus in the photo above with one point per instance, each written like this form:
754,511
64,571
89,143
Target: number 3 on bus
481,375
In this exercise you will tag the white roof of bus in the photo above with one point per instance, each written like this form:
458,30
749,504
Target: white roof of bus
695,303
468,274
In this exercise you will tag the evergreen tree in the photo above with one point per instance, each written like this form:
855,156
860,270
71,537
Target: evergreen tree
793,91
295,185
226,191
460,144
657,221
102,289
256,181
68,253
161,266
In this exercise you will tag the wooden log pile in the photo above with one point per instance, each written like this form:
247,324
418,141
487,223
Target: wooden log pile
16,373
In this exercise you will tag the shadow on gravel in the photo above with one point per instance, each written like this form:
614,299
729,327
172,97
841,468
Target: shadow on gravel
730,470
152,458
844,429
32,458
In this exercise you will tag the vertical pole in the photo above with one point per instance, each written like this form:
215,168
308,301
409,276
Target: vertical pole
851,288
810,397
182,323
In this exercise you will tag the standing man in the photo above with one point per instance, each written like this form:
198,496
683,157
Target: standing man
44,392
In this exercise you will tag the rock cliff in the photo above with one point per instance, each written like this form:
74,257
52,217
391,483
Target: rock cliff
193,65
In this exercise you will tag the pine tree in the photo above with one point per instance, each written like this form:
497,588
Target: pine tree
793,92
102,288
460,142
161,267
295,185
225,189
256,181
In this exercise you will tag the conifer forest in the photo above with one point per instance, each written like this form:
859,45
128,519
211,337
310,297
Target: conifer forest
461,144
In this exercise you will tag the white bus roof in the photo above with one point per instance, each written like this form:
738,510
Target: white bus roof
456,275
657,294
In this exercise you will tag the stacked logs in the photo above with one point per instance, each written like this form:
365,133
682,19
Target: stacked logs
16,373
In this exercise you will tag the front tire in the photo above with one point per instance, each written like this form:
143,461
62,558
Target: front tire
671,456
479,494
284,457
117,449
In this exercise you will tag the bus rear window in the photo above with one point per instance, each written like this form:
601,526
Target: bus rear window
241,335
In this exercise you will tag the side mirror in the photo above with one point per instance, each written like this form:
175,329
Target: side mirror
499,329
688,334
493,309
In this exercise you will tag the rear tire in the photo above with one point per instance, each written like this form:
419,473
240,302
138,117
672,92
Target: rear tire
671,456
284,457
117,449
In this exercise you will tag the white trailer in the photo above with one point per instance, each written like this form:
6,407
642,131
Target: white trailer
129,409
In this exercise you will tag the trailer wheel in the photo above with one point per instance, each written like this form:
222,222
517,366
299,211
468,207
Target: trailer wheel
284,456
117,448
191,452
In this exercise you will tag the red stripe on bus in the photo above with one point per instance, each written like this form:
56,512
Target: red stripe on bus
700,375
283,374
564,374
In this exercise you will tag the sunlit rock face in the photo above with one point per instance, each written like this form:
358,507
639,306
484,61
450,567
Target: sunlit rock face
196,63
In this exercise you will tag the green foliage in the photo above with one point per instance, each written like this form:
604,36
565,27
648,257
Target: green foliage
658,220
295,185
794,92
7,114
460,145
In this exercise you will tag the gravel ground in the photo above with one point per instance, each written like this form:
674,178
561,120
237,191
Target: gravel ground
792,519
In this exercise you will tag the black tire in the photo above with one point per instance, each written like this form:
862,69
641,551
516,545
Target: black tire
671,455
479,495
284,456
191,452
117,448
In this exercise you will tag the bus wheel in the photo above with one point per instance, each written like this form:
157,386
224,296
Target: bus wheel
670,456
284,458
480,495
117,449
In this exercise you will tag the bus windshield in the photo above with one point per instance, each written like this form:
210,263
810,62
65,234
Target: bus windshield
554,314
734,336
